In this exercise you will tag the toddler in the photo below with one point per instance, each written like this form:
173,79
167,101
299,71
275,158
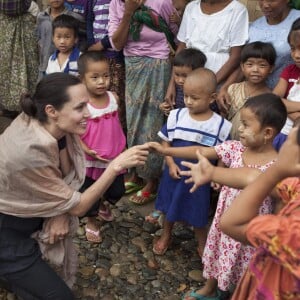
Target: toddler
44,31
257,62
184,63
65,35
104,138
195,124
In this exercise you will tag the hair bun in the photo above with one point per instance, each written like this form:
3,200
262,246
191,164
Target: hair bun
27,105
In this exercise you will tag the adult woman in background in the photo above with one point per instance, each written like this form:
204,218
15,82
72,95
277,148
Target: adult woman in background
18,52
41,169
146,46
273,27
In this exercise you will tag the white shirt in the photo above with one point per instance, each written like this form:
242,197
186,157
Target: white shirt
214,34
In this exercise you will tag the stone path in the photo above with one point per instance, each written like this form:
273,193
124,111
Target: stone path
124,267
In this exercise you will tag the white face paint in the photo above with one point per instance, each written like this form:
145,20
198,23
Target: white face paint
250,131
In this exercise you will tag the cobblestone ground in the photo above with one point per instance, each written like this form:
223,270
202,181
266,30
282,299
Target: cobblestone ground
124,267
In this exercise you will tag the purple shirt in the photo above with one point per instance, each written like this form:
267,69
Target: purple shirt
152,44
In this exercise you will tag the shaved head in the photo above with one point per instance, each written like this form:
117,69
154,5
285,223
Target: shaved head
204,79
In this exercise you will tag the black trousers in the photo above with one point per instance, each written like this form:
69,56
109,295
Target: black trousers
21,266
113,194
39,282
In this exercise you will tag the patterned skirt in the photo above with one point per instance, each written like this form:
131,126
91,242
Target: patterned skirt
147,80
117,85
19,59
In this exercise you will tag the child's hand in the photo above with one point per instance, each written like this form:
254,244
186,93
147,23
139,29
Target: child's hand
165,108
156,147
95,155
175,18
199,173
174,171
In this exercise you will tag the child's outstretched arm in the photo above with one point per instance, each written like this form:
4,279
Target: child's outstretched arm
245,207
203,172
183,152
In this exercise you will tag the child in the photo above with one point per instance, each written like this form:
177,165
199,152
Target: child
44,31
184,63
80,8
273,272
194,125
257,62
225,259
65,34
104,138
288,86
179,5
97,38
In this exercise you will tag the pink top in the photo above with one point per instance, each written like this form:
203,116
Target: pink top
104,134
152,44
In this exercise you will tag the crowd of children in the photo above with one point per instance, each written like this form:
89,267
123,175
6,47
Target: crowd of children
73,38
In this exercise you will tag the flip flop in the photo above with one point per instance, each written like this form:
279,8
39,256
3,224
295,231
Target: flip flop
93,236
160,251
196,296
155,217
142,197
131,187
105,214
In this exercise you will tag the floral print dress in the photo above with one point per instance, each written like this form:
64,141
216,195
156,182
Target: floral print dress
224,258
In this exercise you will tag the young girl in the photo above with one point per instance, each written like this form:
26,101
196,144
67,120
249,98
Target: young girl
194,125
104,138
257,61
225,259
273,272
288,86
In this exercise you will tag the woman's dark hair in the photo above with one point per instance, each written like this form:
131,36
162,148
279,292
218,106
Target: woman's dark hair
51,90
295,26
94,56
190,58
269,110
65,21
259,50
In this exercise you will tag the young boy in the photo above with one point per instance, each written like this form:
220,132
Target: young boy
184,63
65,36
44,31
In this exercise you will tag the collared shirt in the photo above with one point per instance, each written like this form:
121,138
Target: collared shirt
69,66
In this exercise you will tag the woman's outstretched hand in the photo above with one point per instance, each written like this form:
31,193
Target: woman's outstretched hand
199,173
132,157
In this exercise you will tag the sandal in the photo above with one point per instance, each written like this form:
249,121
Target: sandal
160,250
105,214
92,235
155,217
131,187
196,296
142,197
